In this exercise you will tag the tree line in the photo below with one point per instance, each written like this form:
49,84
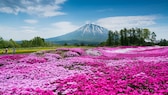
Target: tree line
133,36
5,43
163,42
124,37
35,42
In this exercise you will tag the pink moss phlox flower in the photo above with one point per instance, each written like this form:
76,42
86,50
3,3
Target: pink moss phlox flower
127,70
52,57
32,59
80,51
71,54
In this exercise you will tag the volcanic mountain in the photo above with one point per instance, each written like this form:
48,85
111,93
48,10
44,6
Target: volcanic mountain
87,34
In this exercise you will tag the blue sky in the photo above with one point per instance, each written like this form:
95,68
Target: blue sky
25,19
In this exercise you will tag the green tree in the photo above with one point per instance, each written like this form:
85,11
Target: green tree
163,42
112,38
109,40
140,36
122,37
26,43
82,44
1,42
13,43
153,37
134,36
65,44
146,34
37,41
116,38
125,37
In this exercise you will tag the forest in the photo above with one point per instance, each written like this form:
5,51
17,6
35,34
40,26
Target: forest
133,36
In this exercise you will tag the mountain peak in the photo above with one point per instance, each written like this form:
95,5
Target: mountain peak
92,28
88,33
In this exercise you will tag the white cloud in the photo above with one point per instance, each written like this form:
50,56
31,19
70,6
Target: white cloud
64,27
59,1
116,23
55,29
31,21
160,31
41,8
28,29
7,10
16,33
29,32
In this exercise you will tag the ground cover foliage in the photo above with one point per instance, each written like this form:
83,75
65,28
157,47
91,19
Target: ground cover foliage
126,70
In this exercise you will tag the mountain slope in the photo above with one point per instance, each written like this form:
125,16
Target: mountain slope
87,34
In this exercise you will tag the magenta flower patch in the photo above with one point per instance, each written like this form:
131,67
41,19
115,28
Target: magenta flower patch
125,70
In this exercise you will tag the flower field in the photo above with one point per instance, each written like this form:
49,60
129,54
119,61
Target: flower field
128,70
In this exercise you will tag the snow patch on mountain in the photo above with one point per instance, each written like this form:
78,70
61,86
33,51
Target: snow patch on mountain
91,28
87,34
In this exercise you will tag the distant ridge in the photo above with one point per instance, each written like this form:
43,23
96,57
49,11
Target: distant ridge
87,34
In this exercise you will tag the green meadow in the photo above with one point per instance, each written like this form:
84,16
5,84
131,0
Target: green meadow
36,49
